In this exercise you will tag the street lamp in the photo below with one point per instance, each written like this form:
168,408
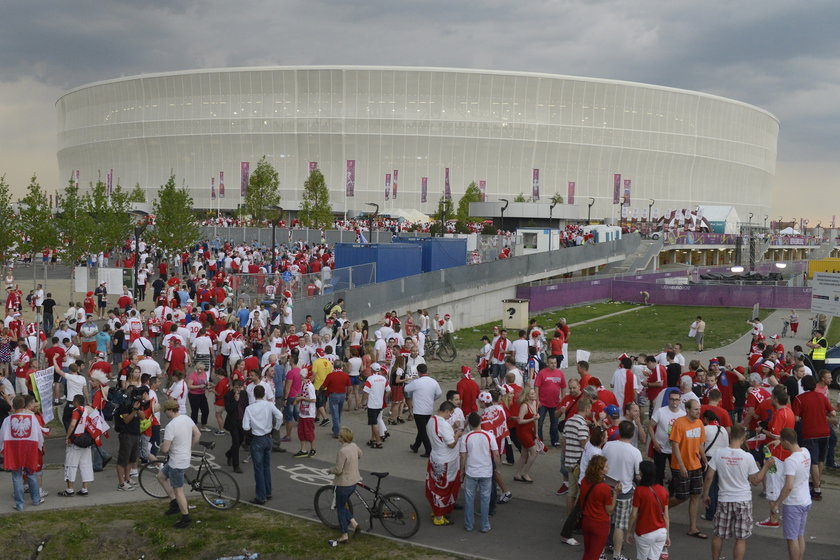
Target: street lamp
765,221
550,215
506,201
650,208
371,217
589,211
751,215
140,220
273,232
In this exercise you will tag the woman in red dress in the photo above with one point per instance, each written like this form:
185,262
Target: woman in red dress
526,432
597,501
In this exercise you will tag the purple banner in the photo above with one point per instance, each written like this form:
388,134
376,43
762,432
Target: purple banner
212,188
221,184
350,181
447,191
626,192
616,187
313,165
245,177
482,188
110,182
424,188
387,185
570,199
396,175
535,185
77,178
699,238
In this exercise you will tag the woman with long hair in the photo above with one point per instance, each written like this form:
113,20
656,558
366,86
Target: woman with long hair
597,504
527,434
397,382
650,523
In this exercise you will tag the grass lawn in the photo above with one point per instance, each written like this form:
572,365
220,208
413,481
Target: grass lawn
127,531
469,339
651,328
833,334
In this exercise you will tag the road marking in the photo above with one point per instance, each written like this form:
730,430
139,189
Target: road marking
308,475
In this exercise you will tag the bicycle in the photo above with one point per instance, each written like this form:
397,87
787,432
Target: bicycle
444,350
218,488
395,511
785,325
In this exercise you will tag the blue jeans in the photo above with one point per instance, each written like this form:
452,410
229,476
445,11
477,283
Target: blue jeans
552,417
342,496
336,401
713,497
498,371
483,485
261,459
17,487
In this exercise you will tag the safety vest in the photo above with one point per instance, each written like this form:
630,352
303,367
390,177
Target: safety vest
818,353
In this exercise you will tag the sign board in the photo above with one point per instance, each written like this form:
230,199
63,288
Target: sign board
113,278
825,293
42,382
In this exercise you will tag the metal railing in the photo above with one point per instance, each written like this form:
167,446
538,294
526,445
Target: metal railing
259,287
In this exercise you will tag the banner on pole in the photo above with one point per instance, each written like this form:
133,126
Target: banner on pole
424,188
245,177
616,187
350,181
212,188
394,192
482,187
570,199
42,382
313,165
77,178
627,192
221,184
447,191
535,185
387,185
110,181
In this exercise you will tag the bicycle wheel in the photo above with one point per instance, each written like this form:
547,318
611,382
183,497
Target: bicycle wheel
219,489
398,515
447,352
325,506
148,479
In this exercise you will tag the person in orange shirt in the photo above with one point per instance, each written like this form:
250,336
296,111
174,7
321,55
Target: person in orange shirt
782,418
687,464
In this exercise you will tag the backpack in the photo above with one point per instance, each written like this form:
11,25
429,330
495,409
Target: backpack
327,308
110,407
116,398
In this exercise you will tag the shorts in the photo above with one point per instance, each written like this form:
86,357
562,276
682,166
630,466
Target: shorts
306,429
56,378
89,347
102,304
485,372
773,483
818,448
128,449
291,411
681,487
175,476
320,399
794,519
623,507
373,416
355,380
734,520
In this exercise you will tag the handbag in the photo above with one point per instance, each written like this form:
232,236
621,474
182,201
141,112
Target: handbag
83,440
540,445
580,504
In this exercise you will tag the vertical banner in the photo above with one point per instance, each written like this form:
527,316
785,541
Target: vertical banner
570,199
110,180
616,187
482,187
624,211
387,185
244,177
221,184
350,181
212,188
77,178
635,213
394,193
313,165
424,188
535,186
447,191
626,192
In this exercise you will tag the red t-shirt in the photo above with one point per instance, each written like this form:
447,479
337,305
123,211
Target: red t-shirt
757,396
221,389
570,403
54,354
557,345
252,363
651,501
550,382
608,397
336,381
812,407
782,418
658,375
468,389
725,419
595,503
178,359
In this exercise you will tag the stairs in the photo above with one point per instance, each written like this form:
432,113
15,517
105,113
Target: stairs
640,259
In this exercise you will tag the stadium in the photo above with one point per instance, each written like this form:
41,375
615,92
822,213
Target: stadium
404,133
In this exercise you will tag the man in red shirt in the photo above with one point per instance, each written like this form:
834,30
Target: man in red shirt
782,418
655,380
756,395
22,444
178,358
336,384
551,388
468,390
714,406
813,409
55,357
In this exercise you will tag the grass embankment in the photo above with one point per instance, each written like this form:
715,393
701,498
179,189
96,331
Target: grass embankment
129,531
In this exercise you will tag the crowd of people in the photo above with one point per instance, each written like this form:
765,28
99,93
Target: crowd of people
707,431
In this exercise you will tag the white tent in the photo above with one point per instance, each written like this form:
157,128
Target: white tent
722,219
789,231
408,214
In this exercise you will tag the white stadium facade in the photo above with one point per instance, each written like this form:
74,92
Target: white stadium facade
509,131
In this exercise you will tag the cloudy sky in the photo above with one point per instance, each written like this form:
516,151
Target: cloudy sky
783,56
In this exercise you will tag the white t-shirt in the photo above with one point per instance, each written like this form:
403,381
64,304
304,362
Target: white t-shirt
798,465
721,441
685,397
179,432
520,350
588,452
457,419
375,386
733,467
479,446
202,345
665,419
178,391
149,365
441,435
517,376
75,385
355,366
624,462
307,409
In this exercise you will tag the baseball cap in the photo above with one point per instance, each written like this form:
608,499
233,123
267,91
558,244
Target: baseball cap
612,410
375,367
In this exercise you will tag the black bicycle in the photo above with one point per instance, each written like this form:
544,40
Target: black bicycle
395,511
218,488
444,350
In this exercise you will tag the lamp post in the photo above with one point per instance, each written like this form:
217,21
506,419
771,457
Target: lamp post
371,217
550,215
765,221
273,232
751,215
507,202
589,211
650,208
140,220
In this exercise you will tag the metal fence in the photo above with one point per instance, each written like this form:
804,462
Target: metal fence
259,287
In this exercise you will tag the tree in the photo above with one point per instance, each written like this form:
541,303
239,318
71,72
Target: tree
76,228
137,194
557,198
110,213
37,226
315,208
175,228
520,198
7,216
472,194
263,191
